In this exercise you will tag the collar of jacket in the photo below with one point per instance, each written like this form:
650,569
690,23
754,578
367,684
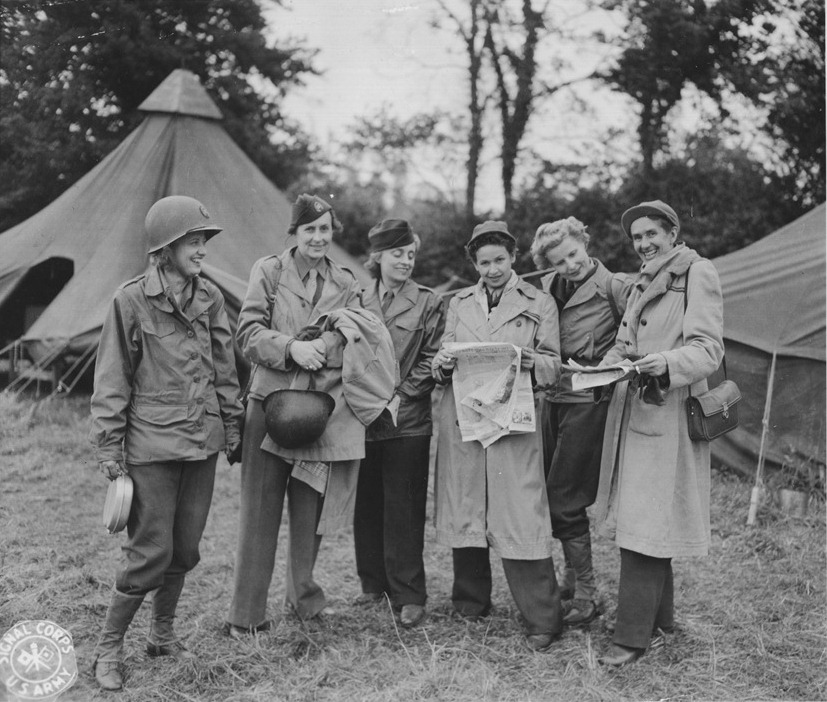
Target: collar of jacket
403,300
303,266
156,291
585,291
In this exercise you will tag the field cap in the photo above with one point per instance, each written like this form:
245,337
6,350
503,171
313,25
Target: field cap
306,209
492,225
390,234
645,209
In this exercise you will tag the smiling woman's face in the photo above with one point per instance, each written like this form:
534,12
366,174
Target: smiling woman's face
493,263
188,252
313,239
652,237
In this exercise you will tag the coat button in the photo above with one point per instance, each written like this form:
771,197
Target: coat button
643,322
625,325
628,343
196,379
200,400
190,334
194,355
519,323
201,446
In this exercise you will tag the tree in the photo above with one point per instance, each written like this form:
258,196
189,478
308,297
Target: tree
796,115
670,43
73,73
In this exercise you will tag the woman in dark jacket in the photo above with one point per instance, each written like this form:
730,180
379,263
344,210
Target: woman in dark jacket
389,524
590,300
165,403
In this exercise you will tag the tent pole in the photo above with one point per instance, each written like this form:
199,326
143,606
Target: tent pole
758,489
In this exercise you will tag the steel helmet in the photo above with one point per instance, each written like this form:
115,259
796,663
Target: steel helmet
295,418
172,217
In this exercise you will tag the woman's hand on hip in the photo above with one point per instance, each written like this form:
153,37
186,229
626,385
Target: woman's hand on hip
652,364
307,354
112,469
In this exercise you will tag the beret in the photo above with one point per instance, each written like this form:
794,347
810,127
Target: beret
390,234
306,209
645,209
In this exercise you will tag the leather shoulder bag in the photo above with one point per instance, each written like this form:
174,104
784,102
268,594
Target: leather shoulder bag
715,412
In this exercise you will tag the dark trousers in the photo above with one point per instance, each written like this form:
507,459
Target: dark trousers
265,480
645,599
533,586
389,523
170,504
572,444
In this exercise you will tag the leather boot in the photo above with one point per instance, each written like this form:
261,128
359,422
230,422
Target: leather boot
109,650
162,640
568,581
583,608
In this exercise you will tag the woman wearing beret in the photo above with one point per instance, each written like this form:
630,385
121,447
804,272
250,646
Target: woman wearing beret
590,301
653,498
495,497
165,403
389,525
285,294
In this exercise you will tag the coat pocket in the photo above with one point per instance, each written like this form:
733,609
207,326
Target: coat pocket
161,415
650,420
159,329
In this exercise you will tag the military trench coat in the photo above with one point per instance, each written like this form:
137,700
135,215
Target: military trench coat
496,496
654,481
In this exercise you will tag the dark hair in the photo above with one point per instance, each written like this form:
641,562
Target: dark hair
489,239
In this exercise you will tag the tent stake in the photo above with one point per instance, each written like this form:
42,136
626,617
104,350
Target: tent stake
758,489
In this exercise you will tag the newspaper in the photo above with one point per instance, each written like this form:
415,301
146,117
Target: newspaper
584,377
493,395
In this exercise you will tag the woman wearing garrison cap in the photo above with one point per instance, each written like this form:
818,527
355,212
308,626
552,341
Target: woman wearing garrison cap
653,498
496,497
285,294
389,523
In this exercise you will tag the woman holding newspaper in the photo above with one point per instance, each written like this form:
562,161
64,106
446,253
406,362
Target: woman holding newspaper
653,498
491,489
590,301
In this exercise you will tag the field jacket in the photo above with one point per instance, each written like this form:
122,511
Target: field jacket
415,321
165,381
587,324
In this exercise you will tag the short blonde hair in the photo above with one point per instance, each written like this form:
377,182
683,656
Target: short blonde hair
552,234
372,264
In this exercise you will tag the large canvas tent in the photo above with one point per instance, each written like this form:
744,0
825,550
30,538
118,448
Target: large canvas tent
774,329
60,268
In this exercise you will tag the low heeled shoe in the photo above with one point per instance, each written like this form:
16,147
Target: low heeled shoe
411,615
618,655
540,643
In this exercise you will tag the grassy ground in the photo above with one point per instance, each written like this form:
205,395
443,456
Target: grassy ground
751,616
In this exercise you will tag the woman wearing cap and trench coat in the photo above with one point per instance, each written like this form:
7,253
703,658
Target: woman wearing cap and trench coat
285,294
495,497
653,498
165,403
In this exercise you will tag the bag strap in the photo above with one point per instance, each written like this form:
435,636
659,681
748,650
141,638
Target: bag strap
613,302
685,303
276,280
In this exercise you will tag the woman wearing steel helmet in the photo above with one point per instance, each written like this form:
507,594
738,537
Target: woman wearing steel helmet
165,403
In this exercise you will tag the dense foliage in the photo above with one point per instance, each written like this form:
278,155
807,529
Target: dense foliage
74,73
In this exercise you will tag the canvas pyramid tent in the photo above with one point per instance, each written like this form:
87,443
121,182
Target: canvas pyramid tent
60,268
774,329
